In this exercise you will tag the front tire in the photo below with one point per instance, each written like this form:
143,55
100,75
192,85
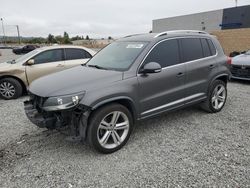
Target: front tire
110,128
217,97
10,88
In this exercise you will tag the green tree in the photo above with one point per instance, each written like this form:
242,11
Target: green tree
51,39
66,39
59,39
110,38
87,37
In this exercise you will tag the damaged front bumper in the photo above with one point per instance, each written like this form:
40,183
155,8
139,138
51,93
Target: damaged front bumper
76,118
38,118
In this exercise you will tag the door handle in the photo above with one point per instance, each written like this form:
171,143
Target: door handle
180,74
211,66
60,65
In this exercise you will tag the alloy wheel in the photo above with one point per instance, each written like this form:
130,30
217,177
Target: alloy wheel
113,130
219,97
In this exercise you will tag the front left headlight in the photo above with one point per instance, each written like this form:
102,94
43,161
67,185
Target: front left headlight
62,102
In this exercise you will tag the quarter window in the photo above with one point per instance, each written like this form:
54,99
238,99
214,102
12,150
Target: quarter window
191,49
165,53
49,56
212,48
72,54
205,47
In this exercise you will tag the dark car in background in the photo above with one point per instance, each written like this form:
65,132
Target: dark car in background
240,67
24,49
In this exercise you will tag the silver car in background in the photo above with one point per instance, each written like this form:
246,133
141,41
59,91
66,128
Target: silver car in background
240,67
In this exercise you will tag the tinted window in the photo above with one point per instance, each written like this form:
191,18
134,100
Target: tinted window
205,47
165,53
72,54
49,56
191,49
212,48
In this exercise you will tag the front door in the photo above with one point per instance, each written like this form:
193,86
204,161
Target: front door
165,90
45,63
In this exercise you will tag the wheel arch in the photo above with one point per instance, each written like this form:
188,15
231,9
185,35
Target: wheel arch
125,101
16,78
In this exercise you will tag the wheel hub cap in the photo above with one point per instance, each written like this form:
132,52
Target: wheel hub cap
7,89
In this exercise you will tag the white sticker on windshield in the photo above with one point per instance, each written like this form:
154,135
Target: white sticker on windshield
134,45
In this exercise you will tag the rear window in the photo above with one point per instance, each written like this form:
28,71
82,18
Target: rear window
72,54
191,49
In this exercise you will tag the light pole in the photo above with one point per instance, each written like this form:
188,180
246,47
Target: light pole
3,31
18,33
236,3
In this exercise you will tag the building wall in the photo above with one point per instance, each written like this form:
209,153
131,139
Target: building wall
230,18
234,39
208,21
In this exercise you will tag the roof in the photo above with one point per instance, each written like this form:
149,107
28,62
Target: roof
148,37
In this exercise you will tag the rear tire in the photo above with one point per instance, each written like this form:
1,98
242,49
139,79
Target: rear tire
217,96
110,128
10,88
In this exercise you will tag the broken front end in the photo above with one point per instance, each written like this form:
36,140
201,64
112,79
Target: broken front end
59,112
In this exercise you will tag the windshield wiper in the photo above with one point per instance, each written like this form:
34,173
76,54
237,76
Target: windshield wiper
97,66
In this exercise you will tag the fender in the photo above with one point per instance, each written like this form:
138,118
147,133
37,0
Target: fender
113,99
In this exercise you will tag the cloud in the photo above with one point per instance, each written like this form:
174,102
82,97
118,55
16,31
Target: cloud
96,18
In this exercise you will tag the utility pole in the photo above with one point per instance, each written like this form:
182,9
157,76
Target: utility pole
18,33
3,32
236,3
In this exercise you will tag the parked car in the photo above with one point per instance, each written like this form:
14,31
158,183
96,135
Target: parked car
132,79
240,67
17,74
25,49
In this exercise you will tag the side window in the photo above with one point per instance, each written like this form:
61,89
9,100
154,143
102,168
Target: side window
72,54
165,53
191,49
205,47
49,56
212,48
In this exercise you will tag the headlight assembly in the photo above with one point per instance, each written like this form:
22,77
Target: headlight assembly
62,102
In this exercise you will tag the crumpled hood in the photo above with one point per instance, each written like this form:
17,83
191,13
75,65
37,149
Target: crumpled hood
241,60
74,80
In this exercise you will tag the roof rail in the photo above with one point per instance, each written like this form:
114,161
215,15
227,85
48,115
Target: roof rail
131,35
180,31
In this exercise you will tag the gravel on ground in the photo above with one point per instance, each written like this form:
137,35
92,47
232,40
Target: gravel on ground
180,149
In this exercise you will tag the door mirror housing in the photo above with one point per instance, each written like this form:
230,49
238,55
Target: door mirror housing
151,67
30,62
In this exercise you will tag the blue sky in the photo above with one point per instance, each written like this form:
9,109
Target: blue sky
97,18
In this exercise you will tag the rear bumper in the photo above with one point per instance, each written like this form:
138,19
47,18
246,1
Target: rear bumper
37,118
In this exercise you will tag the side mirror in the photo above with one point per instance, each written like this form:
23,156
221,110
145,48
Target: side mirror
30,62
151,67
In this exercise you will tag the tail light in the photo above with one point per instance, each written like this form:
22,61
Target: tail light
229,60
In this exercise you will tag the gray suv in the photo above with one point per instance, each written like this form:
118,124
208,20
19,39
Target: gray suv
133,78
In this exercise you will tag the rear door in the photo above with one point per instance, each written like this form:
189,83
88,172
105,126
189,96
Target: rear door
199,55
164,90
45,63
76,56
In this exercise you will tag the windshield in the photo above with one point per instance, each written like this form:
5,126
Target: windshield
26,56
117,56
